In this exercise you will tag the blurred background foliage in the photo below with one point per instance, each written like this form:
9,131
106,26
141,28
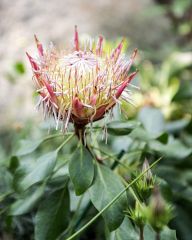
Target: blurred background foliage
159,123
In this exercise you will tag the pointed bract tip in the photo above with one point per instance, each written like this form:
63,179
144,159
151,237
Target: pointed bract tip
99,45
39,45
36,39
33,63
30,59
132,75
122,41
119,47
100,37
76,39
134,53
28,55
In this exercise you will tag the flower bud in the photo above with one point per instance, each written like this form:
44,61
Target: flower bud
148,177
137,214
158,212
144,185
80,85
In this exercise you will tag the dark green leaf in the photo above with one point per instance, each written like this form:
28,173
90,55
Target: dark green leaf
81,170
52,216
163,138
44,167
183,222
120,128
27,203
58,182
105,187
14,163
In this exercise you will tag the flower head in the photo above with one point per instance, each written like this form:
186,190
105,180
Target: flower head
82,84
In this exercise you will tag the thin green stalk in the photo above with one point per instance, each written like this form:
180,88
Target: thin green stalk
132,191
58,149
71,225
110,155
86,210
60,166
114,158
66,141
112,201
75,215
58,135
53,136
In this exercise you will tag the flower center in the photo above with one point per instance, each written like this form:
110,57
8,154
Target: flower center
82,61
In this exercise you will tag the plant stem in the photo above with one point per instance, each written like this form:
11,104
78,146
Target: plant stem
141,236
120,155
72,224
157,236
79,131
86,210
111,202
114,157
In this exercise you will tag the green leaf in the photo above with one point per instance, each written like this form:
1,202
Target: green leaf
142,135
152,119
25,205
43,168
174,149
183,222
106,186
52,216
166,234
28,146
119,128
179,60
81,170
185,92
126,231
174,176
177,126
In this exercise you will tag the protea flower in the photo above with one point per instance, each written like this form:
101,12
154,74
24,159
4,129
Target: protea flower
82,84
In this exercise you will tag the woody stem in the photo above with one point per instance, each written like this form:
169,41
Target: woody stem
80,132
157,236
141,236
